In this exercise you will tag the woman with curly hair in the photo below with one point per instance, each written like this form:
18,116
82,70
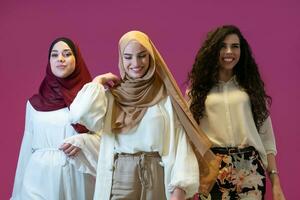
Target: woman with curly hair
228,100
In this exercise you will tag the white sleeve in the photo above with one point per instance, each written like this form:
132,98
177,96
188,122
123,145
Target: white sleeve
89,107
24,155
180,162
185,172
267,136
86,160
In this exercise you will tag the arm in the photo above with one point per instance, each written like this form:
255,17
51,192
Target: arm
90,105
274,178
268,140
181,166
25,153
88,108
84,150
185,172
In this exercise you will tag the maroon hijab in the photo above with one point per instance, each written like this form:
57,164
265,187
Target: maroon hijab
56,93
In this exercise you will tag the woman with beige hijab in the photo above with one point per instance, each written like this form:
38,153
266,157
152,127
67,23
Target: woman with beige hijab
145,150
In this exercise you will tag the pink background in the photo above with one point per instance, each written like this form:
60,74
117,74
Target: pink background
27,29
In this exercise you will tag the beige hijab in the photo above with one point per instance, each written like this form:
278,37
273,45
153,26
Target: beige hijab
134,96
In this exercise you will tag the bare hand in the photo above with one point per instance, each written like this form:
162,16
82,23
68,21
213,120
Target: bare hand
276,190
69,149
178,194
108,79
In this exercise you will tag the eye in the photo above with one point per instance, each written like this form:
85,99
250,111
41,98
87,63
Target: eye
127,57
67,53
142,56
53,55
236,46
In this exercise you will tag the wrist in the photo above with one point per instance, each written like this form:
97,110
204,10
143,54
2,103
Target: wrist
273,172
273,176
99,79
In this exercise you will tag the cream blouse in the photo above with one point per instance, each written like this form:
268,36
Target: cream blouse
228,120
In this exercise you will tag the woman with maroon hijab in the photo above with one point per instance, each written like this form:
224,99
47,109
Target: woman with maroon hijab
57,159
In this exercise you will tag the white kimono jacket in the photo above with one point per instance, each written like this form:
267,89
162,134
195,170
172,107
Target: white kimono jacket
159,130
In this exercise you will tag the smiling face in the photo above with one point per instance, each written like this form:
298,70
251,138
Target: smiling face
136,60
62,60
230,53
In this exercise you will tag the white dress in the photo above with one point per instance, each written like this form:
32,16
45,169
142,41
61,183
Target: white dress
44,172
159,131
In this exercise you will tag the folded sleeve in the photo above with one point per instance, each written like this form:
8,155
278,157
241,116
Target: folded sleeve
24,155
179,160
267,136
89,107
185,172
86,160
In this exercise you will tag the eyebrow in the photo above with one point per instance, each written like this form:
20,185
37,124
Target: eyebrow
53,50
231,43
129,54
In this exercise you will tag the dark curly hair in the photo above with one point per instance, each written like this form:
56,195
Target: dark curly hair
204,75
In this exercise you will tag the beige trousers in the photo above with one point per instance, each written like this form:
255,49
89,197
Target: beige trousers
138,177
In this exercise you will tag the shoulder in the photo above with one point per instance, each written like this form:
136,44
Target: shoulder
166,104
165,101
29,107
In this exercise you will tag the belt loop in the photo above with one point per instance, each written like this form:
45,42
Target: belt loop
143,171
232,151
116,156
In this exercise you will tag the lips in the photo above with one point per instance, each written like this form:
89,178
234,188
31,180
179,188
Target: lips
136,69
61,66
228,59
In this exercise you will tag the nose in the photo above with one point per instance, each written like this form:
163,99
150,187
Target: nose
228,50
61,58
135,61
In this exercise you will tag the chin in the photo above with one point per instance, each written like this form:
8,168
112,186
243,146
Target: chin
229,67
135,75
62,75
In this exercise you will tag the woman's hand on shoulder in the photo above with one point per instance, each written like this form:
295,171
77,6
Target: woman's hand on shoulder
69,149
108,79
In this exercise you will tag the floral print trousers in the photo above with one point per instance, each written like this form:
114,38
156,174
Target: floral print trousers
241,176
